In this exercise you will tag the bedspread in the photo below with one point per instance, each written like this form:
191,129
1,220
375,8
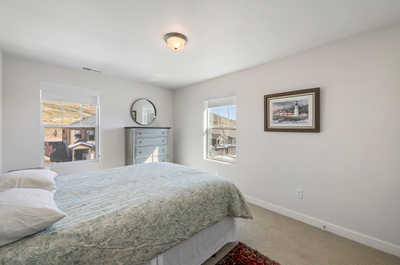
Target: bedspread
128,215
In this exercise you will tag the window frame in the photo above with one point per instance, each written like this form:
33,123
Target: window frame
207,128
97,134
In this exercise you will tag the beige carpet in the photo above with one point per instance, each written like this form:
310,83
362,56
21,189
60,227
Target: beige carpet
294,243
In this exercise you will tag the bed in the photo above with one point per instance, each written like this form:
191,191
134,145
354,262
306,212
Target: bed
141,214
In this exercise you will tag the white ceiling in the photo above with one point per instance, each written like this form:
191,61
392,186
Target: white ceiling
124,37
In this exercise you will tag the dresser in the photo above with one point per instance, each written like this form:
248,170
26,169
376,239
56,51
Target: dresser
146,145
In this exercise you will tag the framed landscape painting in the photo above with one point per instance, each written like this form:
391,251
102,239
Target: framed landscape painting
294,111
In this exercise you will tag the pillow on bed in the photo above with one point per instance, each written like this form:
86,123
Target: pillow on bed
26,211
30,178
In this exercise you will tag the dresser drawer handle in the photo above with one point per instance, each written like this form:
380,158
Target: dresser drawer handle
139,152
140,142
140,133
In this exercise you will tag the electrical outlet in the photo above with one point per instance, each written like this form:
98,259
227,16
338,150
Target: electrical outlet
300,194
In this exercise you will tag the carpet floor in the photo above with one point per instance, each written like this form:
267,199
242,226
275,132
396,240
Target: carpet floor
292,242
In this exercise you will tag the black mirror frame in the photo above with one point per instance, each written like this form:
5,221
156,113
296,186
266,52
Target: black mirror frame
133,112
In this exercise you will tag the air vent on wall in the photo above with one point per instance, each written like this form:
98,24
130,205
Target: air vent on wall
90,69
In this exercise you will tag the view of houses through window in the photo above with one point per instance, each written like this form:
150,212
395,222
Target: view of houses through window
221,131
69,131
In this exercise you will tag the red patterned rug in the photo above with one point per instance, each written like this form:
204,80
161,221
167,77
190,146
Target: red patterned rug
243,255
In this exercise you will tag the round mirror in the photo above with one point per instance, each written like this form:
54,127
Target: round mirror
143,111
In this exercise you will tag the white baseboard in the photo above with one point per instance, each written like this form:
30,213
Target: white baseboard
336,229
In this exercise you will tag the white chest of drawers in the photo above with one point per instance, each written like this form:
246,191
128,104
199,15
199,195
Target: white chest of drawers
146,145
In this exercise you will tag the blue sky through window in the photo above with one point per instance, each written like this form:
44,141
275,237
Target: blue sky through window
225,111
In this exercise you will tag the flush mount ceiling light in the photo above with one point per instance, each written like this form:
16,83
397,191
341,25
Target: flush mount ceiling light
175,40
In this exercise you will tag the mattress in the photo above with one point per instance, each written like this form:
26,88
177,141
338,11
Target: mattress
128,215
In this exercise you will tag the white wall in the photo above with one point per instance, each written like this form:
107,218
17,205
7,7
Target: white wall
350,172
1,110
22,137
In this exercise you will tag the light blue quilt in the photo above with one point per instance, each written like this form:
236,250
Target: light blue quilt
128,215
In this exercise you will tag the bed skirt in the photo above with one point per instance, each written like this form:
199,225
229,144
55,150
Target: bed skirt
197,249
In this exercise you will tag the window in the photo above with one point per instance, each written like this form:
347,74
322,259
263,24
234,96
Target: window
70,128
220,131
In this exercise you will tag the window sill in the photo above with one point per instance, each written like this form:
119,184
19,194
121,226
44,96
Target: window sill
219,161
78,162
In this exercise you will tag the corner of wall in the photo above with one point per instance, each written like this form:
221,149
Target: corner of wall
1,111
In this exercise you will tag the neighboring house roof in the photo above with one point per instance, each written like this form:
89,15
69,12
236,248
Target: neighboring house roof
80,143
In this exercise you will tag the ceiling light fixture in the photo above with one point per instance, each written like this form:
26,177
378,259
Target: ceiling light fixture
175,40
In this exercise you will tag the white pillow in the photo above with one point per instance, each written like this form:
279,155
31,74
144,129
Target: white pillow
30,178
26,211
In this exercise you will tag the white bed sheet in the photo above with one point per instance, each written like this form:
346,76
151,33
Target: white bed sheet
201,246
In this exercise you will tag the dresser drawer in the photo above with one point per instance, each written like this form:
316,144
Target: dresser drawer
140,160
161,158
151,141
151,159
151,133
146,151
